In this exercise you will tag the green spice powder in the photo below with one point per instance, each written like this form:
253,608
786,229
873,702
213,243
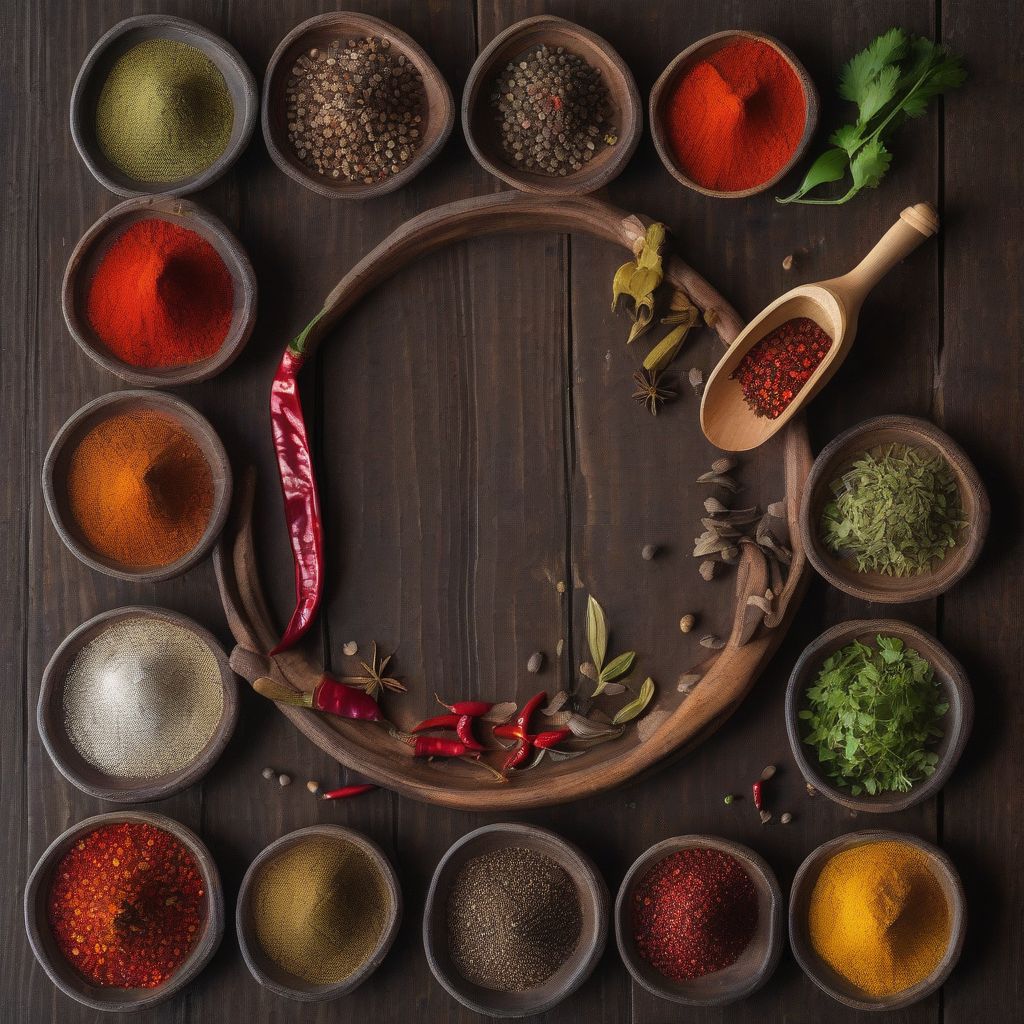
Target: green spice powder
319,910
164,112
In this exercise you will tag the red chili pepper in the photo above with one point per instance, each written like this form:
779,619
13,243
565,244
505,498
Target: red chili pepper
347,701
464,730
546,740
524,716
441,722
344,792
516,758
758,794
435,746
507,731
298,485
520,731
473,708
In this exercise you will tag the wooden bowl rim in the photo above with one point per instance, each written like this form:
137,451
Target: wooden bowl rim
441,107
694,51
249,944
951,677
200,428
57,742
590,886
764,879
908,588
821,974
590,178
245,106
38,929
229,249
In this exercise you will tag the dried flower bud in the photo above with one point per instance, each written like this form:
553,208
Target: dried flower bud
686,623
536,662
707,570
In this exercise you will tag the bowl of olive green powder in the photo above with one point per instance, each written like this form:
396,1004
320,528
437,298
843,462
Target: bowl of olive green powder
161,105
317,912
893,511
516,920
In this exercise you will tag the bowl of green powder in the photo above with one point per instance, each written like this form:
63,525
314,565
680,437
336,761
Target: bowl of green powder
161,104
516,920
317,912
893,511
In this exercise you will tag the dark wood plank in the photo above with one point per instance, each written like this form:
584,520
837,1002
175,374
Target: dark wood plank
978,401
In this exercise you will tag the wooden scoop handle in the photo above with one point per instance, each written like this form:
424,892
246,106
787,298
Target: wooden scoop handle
916,223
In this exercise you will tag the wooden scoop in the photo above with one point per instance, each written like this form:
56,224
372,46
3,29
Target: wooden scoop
726,419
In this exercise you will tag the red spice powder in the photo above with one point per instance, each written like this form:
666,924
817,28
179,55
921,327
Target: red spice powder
161,296
694,913
774,371
735,119
127,905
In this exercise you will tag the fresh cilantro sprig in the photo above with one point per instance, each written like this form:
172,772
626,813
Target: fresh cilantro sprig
893,79
873,717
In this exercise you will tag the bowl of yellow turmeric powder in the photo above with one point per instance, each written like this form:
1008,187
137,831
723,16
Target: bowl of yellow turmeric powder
877,919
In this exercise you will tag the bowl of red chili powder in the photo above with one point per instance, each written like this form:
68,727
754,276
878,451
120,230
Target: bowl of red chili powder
159,292
732,114
698,920
124,909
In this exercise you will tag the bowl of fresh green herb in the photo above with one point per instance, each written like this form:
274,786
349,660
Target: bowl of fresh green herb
878,713
893,511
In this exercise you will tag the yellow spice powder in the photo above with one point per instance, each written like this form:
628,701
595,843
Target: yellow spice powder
879,918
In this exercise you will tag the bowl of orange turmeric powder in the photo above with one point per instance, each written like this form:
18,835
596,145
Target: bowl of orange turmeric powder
137,485
732,114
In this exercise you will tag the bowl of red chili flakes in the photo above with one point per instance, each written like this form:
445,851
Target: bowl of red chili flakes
113,875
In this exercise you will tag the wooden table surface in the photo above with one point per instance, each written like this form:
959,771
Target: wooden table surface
457,449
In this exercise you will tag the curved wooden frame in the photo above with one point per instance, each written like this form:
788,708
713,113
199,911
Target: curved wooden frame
727,676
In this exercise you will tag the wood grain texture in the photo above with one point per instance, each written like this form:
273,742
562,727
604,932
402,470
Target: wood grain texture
949,355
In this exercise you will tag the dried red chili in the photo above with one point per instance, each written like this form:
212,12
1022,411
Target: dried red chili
344,792
473,708
435,746
773,372
520,730
127,905
329,695
694,913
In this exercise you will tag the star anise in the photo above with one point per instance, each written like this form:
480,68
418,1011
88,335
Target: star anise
375,681
647,391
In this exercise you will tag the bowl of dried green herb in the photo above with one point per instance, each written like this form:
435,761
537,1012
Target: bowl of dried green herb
893,511
878,713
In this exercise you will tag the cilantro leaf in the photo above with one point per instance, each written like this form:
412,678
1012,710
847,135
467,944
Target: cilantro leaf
864,68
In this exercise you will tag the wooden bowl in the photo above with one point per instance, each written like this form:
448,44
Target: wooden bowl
593,896
758,961
108,50
663,88
87,777
957,722
275,978
62,448
318,32
479,122
835,984
95,244
838,456
60,971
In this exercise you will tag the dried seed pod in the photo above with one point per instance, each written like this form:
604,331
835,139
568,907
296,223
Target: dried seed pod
536,662
707,570
768,772
686,623
350,648
268,773
723,465
786,818
714,507
712,642
648,551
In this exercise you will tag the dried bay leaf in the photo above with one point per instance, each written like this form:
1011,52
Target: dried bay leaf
597,632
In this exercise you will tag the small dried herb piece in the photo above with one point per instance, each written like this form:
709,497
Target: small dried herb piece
597,640
375,681
683,313
648,393
639,279
635,708
873,717
895,512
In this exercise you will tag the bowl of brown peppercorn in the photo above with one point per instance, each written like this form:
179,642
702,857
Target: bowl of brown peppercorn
353,107
550,108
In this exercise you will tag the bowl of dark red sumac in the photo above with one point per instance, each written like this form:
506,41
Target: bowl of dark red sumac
698,920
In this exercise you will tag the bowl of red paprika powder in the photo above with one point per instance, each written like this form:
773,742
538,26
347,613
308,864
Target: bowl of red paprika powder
732,114
698,920
102,862
160,293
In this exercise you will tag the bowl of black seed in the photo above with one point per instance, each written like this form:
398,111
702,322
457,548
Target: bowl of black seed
550,108
352,107
516,920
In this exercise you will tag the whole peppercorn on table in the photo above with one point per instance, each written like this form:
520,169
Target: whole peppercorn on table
476,446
